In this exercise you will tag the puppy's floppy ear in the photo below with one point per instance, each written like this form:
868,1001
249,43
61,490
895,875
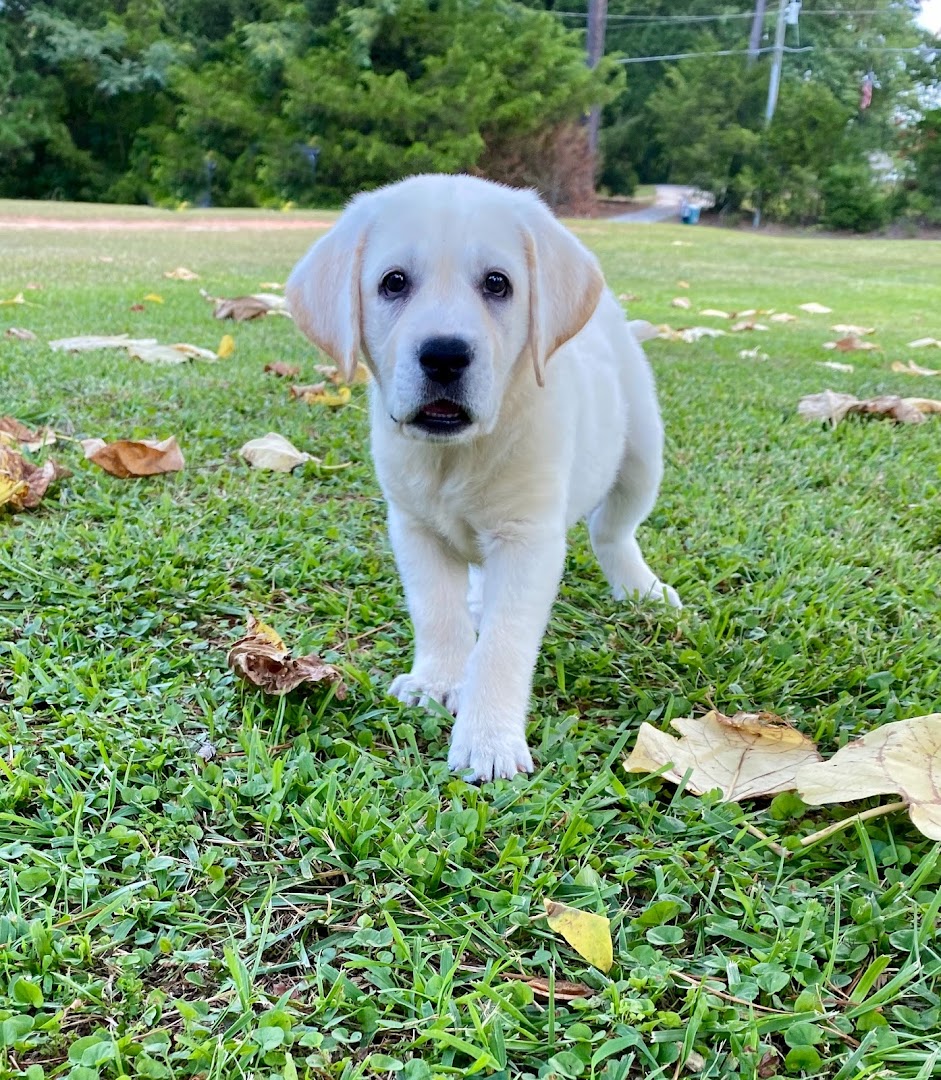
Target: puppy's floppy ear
323,290
565,284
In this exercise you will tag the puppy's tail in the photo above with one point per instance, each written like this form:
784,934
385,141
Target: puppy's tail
643,330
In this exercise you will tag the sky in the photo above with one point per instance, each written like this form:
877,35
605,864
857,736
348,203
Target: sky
931,15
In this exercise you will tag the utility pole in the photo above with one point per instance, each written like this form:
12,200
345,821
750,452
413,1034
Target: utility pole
774,84
757,26
597,23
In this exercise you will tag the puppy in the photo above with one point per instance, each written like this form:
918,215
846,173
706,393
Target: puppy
510,399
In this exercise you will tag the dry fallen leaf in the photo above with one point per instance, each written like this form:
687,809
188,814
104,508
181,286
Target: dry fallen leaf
243,308
181,274
689,334
286,371
13,433
588,934
738,327
924,343
682,284
88,342
814,308
852,330
851,344
274,452
262,658
18,334
783,317
834,407
902,758
23,484
835,365
226,347
18,299
715,313
361,375
628,297
681,302
752,354
135,457
317,394
270,285
562,990
745,755
911,368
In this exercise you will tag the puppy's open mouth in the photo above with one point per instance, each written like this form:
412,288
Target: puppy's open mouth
441,417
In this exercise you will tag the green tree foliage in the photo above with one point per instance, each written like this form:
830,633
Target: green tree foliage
262,102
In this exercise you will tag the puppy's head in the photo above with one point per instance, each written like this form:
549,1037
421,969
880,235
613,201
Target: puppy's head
445,284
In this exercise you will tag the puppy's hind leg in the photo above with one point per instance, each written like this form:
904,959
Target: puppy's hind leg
613,524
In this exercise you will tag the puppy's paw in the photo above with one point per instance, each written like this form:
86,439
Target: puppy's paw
415,690
656,593
488,755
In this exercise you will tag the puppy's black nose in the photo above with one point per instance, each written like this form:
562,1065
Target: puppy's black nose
444,359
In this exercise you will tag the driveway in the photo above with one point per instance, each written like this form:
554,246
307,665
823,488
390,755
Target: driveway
666,205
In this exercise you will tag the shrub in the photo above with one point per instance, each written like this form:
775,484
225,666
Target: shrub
852,200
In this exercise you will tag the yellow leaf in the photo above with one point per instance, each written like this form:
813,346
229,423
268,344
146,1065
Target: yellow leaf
18,299
226,347
588,934
325,397
902,758
154,298
745,755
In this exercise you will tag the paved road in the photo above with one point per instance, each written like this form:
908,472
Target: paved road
666,205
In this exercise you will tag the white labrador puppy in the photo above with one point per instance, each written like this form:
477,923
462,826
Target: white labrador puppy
510,399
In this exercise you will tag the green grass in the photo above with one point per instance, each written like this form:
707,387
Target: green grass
323,899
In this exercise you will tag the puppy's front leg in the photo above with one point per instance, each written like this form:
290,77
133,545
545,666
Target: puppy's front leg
521,579
435,582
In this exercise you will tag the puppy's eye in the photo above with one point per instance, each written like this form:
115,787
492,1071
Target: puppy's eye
393,284
497,284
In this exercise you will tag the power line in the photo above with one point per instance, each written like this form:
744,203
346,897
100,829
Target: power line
923,49
717,17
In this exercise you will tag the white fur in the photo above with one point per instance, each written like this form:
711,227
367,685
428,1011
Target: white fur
498,497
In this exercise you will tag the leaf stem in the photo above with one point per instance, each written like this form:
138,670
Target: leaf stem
864,815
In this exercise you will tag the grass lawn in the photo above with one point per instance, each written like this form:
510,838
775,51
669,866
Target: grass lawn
323,899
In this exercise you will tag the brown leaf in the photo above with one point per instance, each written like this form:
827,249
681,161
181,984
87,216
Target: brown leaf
902,758
681,302
682,284
563,990
746,324
243,308
135,457
18,334
13,432
851,344
834,407
138,307
286,371
745,755
23,484
262,658
181,274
